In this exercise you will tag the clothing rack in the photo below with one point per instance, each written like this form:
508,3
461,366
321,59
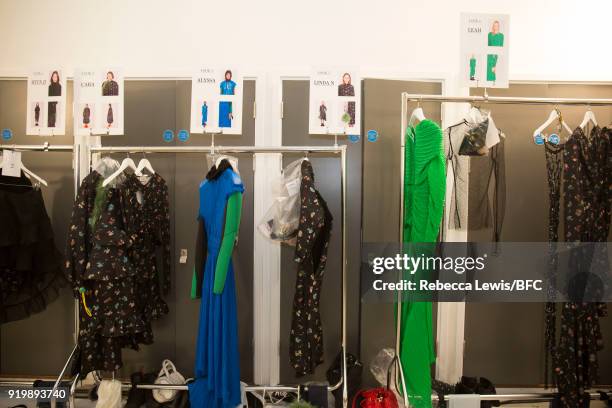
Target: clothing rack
474,100
512,100
45,147
318,150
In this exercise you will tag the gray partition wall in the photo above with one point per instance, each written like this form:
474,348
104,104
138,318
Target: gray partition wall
381,193
327,181
505,341
21,353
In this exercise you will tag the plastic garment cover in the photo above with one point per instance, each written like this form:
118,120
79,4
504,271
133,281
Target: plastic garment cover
281,221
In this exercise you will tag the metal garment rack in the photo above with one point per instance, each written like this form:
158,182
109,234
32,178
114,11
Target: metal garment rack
474,100
321,150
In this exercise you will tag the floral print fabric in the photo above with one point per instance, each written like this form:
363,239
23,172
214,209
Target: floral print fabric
306,342
587,173
108,243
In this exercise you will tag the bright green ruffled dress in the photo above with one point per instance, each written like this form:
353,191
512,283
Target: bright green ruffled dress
424,191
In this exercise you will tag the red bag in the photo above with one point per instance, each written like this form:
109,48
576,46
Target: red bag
377,397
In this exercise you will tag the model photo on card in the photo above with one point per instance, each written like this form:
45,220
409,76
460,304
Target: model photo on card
110,87
37,114
347,89
55,87
228,87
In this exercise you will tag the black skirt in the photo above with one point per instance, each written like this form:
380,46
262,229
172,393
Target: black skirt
30,264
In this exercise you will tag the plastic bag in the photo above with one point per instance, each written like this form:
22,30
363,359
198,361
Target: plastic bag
474,142
281,221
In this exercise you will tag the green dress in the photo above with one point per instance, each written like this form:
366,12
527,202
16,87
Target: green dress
494,40
472,68
424,190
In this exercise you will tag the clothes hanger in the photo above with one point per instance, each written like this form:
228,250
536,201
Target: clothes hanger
417,114
589,116
125,164
29,173
233,161
554,115
144,164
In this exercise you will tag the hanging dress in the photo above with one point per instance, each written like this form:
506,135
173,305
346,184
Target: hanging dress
225,107
217,368
587,207
30,264
424,186
314,231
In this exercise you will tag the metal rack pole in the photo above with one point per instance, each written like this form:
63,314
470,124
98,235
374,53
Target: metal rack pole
506,100
38,148
218,149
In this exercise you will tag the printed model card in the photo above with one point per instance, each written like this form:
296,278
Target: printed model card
98,102
335,102
216,101
46,110
484,50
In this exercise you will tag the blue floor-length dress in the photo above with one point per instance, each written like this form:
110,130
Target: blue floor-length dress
217,370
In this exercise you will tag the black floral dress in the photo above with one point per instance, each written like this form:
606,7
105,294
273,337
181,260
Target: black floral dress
306,342
112,267
146,208
587,200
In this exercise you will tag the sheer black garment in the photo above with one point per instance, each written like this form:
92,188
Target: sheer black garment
30,263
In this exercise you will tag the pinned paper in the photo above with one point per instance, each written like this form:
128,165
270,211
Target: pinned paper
11,163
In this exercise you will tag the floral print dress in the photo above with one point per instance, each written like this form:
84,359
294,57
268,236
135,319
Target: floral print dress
105,249
306,341
587,173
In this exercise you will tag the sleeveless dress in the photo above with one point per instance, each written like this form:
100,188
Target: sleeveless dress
217,369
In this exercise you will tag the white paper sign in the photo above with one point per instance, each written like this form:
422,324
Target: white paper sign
216,101
335,102
11,163
98,102
484,50
46,109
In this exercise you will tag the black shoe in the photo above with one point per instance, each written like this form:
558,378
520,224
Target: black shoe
136,396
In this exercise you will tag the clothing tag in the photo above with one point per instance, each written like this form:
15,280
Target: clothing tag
183,257
554,139
293,187
539,139
11,163
139,197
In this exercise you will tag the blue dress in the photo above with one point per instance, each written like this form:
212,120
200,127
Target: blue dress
225,107
204,114
217,369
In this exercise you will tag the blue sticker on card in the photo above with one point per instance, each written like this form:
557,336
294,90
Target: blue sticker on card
7,134
168,135
183,135
554,139
372,135
538,139
353,138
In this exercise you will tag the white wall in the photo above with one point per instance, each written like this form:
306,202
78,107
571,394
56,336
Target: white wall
549,40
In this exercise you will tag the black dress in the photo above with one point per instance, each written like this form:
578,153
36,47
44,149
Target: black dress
587,176
101,272
30,264
117,249
348,90
306,341
147,215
